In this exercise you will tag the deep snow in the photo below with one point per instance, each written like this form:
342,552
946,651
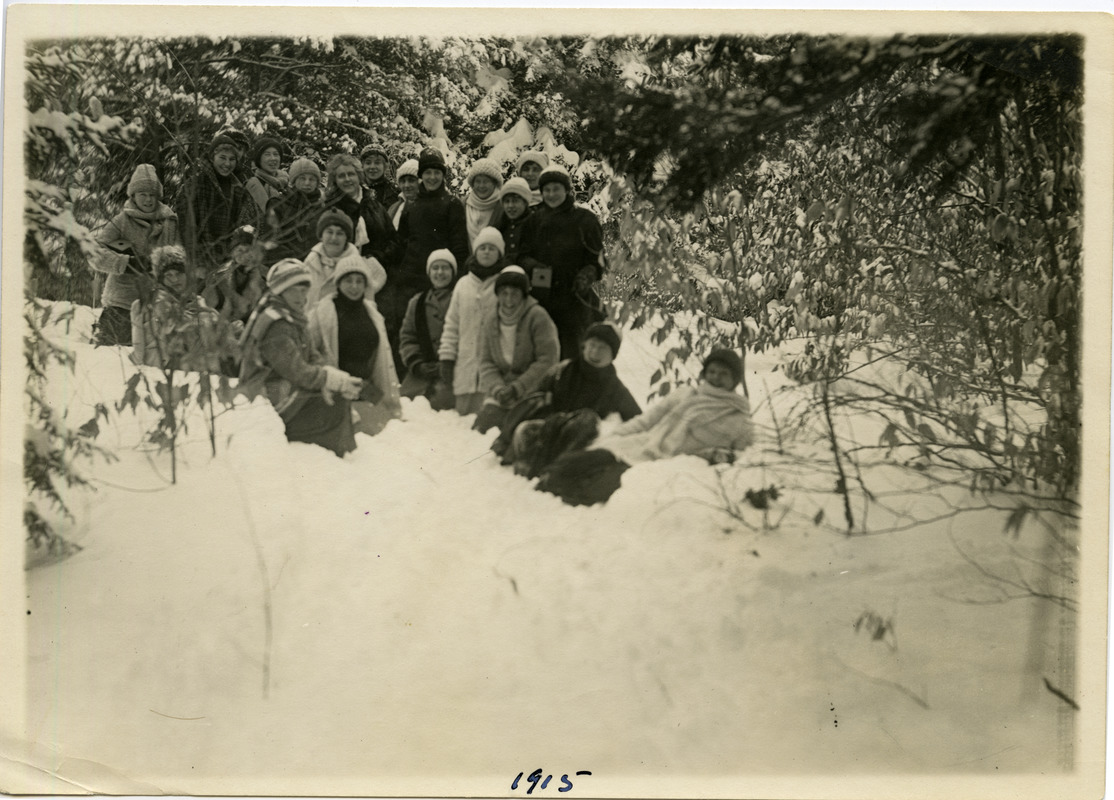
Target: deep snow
305,624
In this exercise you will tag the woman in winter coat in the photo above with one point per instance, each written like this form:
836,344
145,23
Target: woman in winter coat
292,219
562,250
473,299
407,178
169,326
348,330
210,204
235,288
267,182
312,398
529,167
372,231
126,245
482,205
711,420
515,197
374,161
518,345
420,336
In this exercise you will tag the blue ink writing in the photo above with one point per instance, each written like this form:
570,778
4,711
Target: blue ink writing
536,776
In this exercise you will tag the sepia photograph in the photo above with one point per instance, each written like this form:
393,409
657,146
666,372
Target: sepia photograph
491,402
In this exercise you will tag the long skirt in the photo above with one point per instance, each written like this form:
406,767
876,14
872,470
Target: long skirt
583,477
330,426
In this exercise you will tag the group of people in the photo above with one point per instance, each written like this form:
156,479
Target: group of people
485,304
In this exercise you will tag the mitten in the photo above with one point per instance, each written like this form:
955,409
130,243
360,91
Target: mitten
447,368
337,380
427,370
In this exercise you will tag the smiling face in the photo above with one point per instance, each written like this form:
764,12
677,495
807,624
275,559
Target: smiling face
487,254
554,193
718,375
353,285
297,296
440,274
531,171
224,160
514,206
269,160
374,166
511,299
482,186
432,179
347,179
408,185
334,240
145,201
597,353
307,183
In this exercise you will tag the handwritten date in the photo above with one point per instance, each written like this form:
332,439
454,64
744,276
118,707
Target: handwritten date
536,776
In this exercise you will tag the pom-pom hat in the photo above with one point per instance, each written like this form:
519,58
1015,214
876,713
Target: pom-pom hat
513,276
555,173
517,186
490,235
145,179
286,273
606,333
332,216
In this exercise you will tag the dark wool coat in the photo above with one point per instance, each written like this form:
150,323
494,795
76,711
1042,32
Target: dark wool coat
294,225
279,357
418,343
575,384
435,220
208,212
385,191
383,242
512,235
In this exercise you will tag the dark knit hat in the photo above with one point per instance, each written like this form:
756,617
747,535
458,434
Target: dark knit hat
224,139
263,144
303,166
513,276
245,234
606,333
332,216
431,158
145,179
555,173
373,149
729,359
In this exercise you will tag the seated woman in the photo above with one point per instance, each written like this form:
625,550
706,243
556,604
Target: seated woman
518,344
588,381
311,397
348,330
711,420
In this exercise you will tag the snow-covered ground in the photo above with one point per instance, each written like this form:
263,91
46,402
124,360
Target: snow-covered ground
300,623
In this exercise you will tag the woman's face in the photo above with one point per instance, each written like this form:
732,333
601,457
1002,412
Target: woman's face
334,240
440,274
248,256
297,296
145,201
554,193
487,254
224,161
347,179
353,285
482,186
270,160
719,375
374,166
307,183
174,280
408,185
514,206
511,298
531,171
432,179
597,353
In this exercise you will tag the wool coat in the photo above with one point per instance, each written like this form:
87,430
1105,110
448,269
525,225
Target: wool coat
473,299
141,235
419,344
292,225
435,220
209,208
535,351
382,239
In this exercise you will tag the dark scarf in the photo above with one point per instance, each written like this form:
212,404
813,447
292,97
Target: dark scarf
581,385
483,273
357,338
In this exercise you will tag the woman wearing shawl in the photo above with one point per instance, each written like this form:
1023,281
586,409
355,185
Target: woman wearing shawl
311,397
267,182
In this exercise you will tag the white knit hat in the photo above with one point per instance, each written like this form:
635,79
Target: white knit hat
538,157
518,186
286,273
145,179
441,255
409,167
485,166
489,235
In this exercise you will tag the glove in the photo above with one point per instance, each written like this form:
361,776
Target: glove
506,395
337,380
427,370
584,279
447,368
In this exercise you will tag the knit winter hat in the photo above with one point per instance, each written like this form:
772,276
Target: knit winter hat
441,255
353,262
245,234
262,144
490,235
485,166
555,173
431,158
145,179
286,273
517,186
409,167
538,157
513,276
167,257
373,149
303,166
729,359
224,139
606,333
332,216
